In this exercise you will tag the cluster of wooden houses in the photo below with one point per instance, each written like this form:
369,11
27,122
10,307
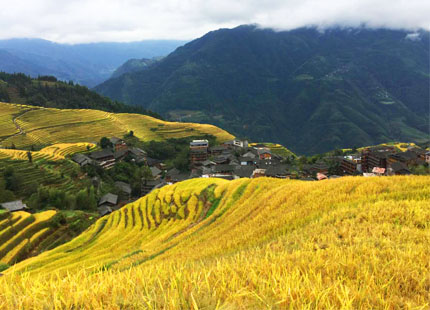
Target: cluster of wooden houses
385,160
108,157
237,159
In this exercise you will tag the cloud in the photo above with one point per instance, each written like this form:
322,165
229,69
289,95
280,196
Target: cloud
129,20
413,36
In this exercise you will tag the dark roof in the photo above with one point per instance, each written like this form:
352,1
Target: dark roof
173,172
152,182
109,198
319,166
120,154
198,151
196,173
152,161
244,171
12,206
417,151
137,152
208,163
250,154
155,171
264,151
80,158
408,155
101,154
206,170
381,153
104,210
124,187
224,168
400,168
218,148
246,159
220,159
264,163
276,170
115,140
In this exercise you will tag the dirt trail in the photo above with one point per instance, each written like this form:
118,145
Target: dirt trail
20,130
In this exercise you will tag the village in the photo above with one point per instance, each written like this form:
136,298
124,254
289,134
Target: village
238,159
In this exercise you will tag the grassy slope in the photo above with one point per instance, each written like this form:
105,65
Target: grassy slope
360,243
45,126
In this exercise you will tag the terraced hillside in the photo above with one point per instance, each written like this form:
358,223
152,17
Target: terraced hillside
276,148
23,234
349,243
25,126
48,167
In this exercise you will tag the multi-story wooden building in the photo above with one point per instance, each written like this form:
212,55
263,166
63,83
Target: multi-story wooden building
198,151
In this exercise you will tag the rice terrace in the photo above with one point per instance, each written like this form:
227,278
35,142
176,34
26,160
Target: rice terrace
215,155
24,126
246,244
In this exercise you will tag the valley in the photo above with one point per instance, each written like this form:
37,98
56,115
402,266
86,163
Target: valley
282,165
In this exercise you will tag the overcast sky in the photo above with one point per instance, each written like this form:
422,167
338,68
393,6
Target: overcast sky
75,21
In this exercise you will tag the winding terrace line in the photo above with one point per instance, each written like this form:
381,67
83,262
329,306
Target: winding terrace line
20,130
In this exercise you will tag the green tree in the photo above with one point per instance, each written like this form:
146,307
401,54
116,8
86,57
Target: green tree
30,157
105,143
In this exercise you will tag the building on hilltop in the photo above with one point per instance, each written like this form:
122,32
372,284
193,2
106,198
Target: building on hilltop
235,144
150,185
104,158
82,160
124,189
376,157
398,168
118,144
258,173
198,151
107,204
13,206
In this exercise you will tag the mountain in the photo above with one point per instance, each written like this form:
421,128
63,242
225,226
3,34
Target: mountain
245,244
86,64
309,90
134,65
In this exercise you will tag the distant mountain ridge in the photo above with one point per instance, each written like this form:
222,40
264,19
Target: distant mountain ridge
134,65
86,64
308,90
46,91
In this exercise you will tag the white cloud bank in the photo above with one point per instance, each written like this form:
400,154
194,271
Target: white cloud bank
74,21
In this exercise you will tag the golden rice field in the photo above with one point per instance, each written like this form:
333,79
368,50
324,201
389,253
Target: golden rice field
276,148
7,114
43,126
53,152
348,243
402,146
20,232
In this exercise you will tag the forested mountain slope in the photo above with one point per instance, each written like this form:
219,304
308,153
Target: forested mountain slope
312,91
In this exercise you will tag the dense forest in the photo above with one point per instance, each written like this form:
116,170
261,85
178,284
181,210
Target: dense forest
47,91
312,91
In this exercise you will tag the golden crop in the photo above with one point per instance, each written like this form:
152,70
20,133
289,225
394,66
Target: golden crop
53,152
43,126
20,232
348,243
